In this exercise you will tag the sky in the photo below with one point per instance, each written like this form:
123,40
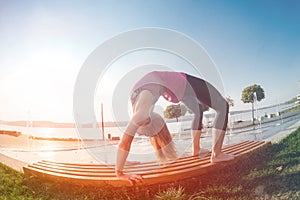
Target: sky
45,43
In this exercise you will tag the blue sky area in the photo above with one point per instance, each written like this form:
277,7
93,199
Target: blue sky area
45,43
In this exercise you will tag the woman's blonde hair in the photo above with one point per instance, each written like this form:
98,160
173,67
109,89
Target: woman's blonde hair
160,137
164,145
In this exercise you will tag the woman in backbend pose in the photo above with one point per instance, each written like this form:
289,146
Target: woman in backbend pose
174,87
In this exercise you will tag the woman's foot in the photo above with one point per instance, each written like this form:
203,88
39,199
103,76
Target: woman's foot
222,157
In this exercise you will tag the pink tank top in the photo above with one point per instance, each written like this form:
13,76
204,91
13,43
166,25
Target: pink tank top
170,85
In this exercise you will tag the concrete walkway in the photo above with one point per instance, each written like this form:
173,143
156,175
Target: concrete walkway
13,163
18,164
282,134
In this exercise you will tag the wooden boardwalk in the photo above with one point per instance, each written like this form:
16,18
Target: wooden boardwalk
152,172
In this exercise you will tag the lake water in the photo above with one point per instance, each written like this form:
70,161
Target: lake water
182,126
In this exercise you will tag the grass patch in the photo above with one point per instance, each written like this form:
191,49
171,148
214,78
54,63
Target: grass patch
272,172
280,176
12,184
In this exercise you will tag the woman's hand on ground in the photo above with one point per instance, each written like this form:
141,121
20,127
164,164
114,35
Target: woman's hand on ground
131,178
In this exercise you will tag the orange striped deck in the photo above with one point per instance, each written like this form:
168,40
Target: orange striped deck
152,172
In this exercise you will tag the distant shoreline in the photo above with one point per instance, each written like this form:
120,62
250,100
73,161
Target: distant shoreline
52,124
236,125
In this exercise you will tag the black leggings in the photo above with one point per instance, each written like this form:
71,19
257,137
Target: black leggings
200,92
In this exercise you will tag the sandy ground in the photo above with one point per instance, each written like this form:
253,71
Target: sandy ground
11,141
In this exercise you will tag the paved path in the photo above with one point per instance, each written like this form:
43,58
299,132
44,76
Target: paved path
13,163
18,164
276,138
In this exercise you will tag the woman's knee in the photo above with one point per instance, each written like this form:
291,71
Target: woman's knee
222,108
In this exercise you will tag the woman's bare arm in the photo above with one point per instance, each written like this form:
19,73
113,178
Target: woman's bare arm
141,112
